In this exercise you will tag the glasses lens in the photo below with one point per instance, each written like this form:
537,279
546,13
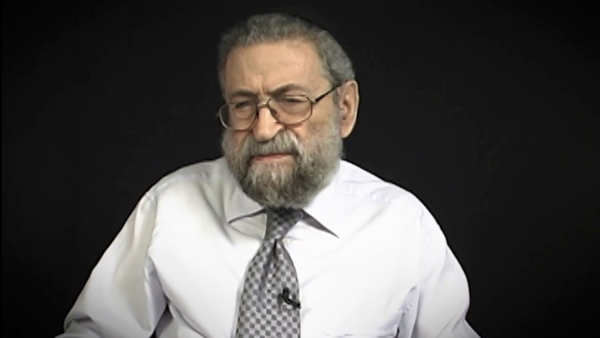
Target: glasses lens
286,110
291,109
237,116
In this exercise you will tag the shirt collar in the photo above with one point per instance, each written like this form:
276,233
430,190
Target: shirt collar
326,208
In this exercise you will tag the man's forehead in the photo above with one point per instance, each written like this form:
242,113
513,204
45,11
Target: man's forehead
269,66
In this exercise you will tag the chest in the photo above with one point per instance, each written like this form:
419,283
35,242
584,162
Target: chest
355,286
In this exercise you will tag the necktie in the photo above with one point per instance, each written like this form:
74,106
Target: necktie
269,304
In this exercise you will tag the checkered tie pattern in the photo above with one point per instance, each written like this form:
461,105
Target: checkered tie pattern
263,313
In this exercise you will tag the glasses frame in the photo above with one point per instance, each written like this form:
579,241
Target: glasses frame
258,106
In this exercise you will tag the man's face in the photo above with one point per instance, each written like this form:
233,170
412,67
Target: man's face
278,165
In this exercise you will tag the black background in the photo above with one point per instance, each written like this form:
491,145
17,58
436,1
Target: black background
487,111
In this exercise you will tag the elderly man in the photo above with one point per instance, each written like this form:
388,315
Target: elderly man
280,237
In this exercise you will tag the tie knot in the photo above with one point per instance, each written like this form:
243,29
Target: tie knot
280,221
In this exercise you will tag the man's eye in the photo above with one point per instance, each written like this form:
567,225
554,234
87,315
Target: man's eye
292,99
243,105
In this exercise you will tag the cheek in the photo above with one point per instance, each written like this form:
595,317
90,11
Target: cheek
238,138
324,118
301,132
319,126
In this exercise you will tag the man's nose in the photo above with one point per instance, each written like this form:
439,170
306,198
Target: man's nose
266,126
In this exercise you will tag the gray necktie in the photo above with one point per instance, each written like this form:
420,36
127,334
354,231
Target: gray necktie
270,304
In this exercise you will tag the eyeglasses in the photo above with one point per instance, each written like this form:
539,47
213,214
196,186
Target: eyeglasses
286,109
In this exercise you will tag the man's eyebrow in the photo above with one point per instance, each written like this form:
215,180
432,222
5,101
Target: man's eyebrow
243,92
275,92
287,88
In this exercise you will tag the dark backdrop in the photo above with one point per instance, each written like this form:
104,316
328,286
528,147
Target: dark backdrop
487,112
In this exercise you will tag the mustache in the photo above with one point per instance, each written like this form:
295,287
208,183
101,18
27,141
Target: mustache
282,143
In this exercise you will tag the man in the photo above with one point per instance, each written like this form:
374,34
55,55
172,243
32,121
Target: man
280,237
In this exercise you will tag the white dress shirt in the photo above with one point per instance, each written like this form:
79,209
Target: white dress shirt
371,262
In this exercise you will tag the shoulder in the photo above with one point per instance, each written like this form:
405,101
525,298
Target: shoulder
367,188
368,193
210,176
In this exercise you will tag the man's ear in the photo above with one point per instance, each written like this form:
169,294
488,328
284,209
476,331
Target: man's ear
348,105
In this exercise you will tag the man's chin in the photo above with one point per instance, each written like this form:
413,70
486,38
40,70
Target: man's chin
275,169
272,174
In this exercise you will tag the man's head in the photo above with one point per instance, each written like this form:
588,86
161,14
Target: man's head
291,98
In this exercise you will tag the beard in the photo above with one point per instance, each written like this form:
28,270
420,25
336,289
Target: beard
285,183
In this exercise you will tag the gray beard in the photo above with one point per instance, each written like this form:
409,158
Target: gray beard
281,184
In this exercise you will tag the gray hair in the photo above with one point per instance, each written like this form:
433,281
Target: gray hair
274,27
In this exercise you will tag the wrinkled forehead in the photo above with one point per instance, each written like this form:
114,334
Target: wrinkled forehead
265,66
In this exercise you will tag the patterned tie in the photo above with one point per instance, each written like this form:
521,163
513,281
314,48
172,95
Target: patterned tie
270,305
